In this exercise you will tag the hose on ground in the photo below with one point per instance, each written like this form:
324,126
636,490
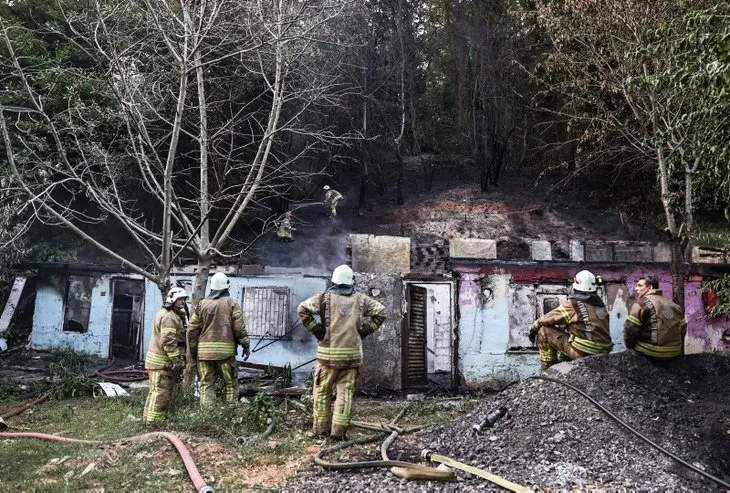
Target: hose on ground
124,376
243,440
401,469
23,408
187,459
442,459
635,432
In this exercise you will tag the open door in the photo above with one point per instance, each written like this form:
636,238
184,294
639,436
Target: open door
127,316
414,338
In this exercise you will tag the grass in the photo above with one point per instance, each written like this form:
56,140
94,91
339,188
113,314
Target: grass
210,435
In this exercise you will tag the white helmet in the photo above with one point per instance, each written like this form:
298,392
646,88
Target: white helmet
585,281
219,281
326,187
175,294
343,275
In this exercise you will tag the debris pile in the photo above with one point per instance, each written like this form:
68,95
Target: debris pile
553,438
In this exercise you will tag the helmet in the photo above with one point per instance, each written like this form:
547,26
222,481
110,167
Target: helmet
219,281
175,294
585,281
343,275
326,187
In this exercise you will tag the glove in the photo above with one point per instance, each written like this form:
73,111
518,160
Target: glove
319,332
364,332
532,335
246,353
178,363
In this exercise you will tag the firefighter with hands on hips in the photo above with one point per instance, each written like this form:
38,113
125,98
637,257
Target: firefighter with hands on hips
284,229
577,328
656,325
165,357
216,328
331,198
340,333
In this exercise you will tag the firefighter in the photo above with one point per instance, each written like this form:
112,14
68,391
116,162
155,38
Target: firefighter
656,325
284,229
331,198
216,327
165,357
340,332
577,328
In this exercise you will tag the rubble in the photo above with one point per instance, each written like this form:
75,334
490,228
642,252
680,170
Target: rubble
554,439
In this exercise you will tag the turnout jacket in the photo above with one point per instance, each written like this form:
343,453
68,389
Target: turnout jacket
342,325
216,327
655,326
586,320
168,340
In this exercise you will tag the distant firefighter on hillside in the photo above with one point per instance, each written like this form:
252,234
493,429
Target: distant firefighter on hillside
331,198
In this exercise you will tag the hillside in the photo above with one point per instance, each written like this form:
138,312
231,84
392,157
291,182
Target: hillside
522,206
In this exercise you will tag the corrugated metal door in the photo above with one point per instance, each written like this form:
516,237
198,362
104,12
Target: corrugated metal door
414,345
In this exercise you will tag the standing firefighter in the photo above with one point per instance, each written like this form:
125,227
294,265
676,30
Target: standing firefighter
215,328
284,229
339,354
331,198
165,356
586,325
656,325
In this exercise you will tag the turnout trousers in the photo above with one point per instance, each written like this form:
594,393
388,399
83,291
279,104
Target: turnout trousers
158,396
325,420
208,373
553,346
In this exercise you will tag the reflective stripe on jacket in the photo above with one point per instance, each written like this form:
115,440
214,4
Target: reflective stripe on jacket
168,340
587,324
216,327
341,346
658,323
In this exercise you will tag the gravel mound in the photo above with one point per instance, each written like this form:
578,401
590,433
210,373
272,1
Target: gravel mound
554,439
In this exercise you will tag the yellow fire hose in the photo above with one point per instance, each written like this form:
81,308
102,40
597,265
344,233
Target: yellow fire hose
509,485
399,468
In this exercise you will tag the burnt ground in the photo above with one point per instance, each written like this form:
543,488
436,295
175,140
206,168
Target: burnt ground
524,205
554,439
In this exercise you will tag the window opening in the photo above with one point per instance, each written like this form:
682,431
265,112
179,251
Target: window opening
78,304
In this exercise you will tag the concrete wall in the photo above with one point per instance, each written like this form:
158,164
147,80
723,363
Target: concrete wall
382,350
48,333
296,351
495,300
380,254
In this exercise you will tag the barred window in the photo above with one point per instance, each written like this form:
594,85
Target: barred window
266,312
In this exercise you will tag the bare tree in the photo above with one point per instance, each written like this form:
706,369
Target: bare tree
200,98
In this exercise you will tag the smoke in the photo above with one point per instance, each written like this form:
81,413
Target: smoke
319,241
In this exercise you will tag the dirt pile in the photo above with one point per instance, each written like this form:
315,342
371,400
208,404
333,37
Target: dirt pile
555,439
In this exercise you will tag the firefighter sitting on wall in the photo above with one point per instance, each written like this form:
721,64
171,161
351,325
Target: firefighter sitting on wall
165,357
586,323
284,229
216,327
656,325
339,353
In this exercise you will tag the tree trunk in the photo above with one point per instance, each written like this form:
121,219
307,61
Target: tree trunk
678,267
199,284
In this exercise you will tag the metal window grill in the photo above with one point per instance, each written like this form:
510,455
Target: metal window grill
266,312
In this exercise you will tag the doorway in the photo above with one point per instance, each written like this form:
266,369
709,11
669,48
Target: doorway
127,316
428,335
